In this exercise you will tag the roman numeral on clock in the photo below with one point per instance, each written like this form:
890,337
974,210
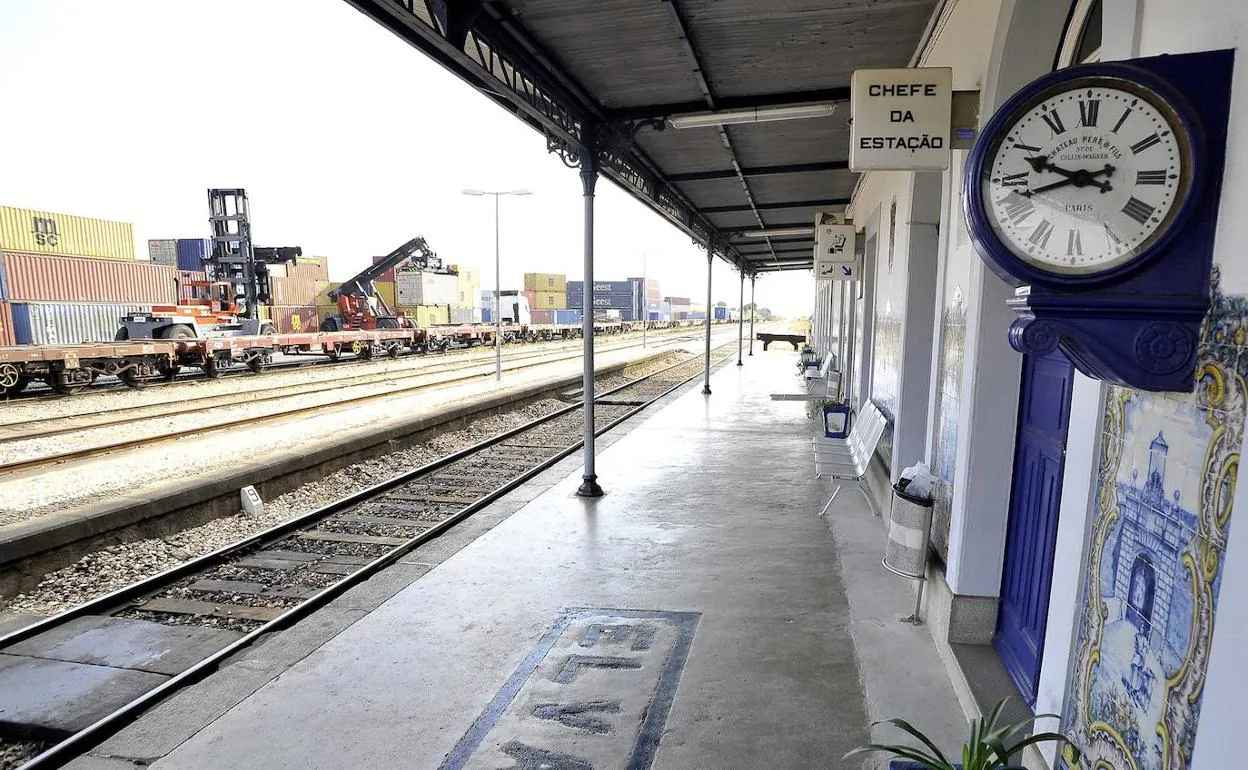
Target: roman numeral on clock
1138,210
1145,143
1027,147
1151,177
1018,208
1014,180
1123,119
1088,111
1055,121
1040,236
1074,245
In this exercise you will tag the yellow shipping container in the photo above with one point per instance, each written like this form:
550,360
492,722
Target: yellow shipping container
322,292
385,290
546,282
43,232
550,300
428,315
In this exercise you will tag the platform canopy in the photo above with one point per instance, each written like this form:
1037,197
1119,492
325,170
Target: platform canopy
629,76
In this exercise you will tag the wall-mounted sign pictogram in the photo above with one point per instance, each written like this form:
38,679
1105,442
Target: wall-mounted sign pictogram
1095,188
835,248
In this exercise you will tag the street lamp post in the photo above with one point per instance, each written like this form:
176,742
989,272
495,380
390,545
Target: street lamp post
498,281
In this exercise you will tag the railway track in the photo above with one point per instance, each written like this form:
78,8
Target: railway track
353,392
38,391
274,578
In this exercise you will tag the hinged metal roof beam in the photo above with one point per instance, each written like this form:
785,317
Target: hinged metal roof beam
754,241
818,203
731,173
800,250
731,103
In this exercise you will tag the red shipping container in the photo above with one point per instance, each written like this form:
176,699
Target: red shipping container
6,325
388,276
289,319
43,278
542,316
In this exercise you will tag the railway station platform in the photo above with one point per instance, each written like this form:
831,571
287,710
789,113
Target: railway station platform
700,615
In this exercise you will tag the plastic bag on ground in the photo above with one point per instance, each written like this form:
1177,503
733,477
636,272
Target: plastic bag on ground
917,480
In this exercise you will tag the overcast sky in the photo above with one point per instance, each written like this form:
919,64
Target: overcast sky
347,140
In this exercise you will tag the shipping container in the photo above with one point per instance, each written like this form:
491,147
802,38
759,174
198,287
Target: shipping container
192,252
696,315
542,316
428,315
676,300
163,251
300,286
66,323
604,287
618,301
721,314
567,317
428,288
4,284
322,294
45,232
652,287
487,315
469,287
549,300
288,319
387,276
41,278
6,325
387,293
546,282
465,315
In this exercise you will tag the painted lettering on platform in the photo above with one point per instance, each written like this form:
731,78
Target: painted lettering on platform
594,693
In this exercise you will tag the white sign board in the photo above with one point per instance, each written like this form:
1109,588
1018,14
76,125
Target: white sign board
901,119
835,241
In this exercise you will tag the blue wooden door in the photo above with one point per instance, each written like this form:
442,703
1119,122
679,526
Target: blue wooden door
1036,492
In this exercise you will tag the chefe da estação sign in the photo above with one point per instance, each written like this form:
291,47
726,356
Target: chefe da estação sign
835,257
901,119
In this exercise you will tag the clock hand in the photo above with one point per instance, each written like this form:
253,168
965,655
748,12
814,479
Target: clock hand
1080,178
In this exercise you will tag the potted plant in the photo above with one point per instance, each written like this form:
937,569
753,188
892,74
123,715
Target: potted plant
988,748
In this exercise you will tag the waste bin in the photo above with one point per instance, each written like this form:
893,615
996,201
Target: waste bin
909,526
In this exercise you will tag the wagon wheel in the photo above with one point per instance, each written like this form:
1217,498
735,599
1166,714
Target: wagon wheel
258,363
394,349
168,369
332,352
22,382
9,376
131,378
214,366
64,383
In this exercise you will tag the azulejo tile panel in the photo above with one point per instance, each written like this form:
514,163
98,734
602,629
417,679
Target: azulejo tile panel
948,402
886,375
1167,475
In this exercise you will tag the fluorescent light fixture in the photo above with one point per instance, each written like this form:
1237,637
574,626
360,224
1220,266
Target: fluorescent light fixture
752,115
778,232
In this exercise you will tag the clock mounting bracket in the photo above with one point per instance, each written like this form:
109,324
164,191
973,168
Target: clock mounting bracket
1138,324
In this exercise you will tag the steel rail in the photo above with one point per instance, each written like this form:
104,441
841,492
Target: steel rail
79,454
90,736
132,413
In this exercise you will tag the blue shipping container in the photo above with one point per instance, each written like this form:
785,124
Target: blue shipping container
4,285
192,252
721,314
564,317
619,301
68,323
487,315
605,287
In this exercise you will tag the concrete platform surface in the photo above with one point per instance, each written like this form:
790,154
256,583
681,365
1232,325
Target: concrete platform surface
695,617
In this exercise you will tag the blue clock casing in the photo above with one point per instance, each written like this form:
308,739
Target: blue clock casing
1136,322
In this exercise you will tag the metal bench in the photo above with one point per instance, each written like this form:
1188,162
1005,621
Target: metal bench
822,385
767,338
847,459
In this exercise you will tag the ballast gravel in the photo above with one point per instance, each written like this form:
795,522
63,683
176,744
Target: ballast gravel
119,565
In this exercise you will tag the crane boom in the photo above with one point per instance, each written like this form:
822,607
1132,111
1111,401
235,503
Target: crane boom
416,250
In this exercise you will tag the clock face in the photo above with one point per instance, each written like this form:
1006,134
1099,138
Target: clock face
1086,176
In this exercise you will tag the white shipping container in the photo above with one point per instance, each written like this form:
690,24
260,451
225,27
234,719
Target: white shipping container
465,315
163,251
65,323
426,288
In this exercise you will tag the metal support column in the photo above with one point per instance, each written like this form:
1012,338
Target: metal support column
752,311
710,260
740,317
498,303
589,177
